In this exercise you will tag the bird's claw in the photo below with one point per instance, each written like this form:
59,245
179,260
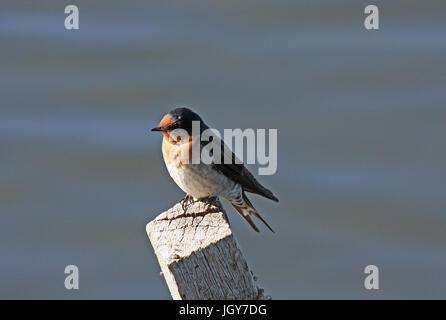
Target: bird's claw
186,202
211,201
189,200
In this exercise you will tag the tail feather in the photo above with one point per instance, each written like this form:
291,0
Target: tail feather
245,208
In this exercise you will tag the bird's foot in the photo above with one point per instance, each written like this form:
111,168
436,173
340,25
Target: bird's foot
211,201
186,202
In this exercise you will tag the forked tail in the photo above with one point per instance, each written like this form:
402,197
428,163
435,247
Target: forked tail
245,208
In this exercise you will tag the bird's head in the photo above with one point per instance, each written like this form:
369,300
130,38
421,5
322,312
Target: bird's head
179,118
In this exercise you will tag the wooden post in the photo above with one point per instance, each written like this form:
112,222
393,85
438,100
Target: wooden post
199,256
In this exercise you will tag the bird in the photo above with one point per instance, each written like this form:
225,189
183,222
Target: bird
207,182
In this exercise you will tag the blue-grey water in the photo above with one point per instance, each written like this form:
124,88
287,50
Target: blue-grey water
361,122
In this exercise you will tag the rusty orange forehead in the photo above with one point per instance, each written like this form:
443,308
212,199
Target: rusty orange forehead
166,121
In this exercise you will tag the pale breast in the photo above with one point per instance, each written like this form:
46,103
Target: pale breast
197,180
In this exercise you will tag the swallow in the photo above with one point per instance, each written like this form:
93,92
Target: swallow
206,182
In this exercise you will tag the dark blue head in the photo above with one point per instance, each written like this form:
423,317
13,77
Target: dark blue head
179,118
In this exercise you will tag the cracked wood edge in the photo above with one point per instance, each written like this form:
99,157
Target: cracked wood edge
199,256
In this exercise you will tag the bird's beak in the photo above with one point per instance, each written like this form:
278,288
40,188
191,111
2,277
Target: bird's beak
157,129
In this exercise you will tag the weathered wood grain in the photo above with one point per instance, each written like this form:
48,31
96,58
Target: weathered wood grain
199,256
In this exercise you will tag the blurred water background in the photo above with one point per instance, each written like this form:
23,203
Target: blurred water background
362,124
